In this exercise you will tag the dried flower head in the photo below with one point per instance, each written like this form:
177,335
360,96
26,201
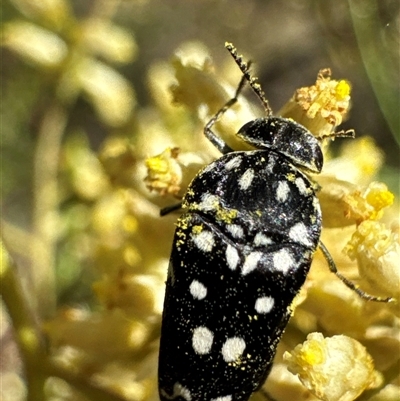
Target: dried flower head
320,107
368,205
164,172
377,251
338,368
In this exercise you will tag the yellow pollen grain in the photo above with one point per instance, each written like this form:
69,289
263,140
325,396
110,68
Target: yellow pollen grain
312,354
197,229
342,89
226,216
291,177
380,198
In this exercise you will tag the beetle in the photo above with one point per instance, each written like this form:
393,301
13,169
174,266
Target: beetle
241,252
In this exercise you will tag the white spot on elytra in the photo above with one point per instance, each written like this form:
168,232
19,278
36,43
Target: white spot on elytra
316,205
246,179
283,260
264,304
178,391
202,340
207,169
233,163
298,233
208,202
204,240
223,398
250,263
282,191
198,290
261,239
301,186
233,349
232,257
271,164
235,230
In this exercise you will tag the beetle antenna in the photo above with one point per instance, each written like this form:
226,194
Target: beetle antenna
253,81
